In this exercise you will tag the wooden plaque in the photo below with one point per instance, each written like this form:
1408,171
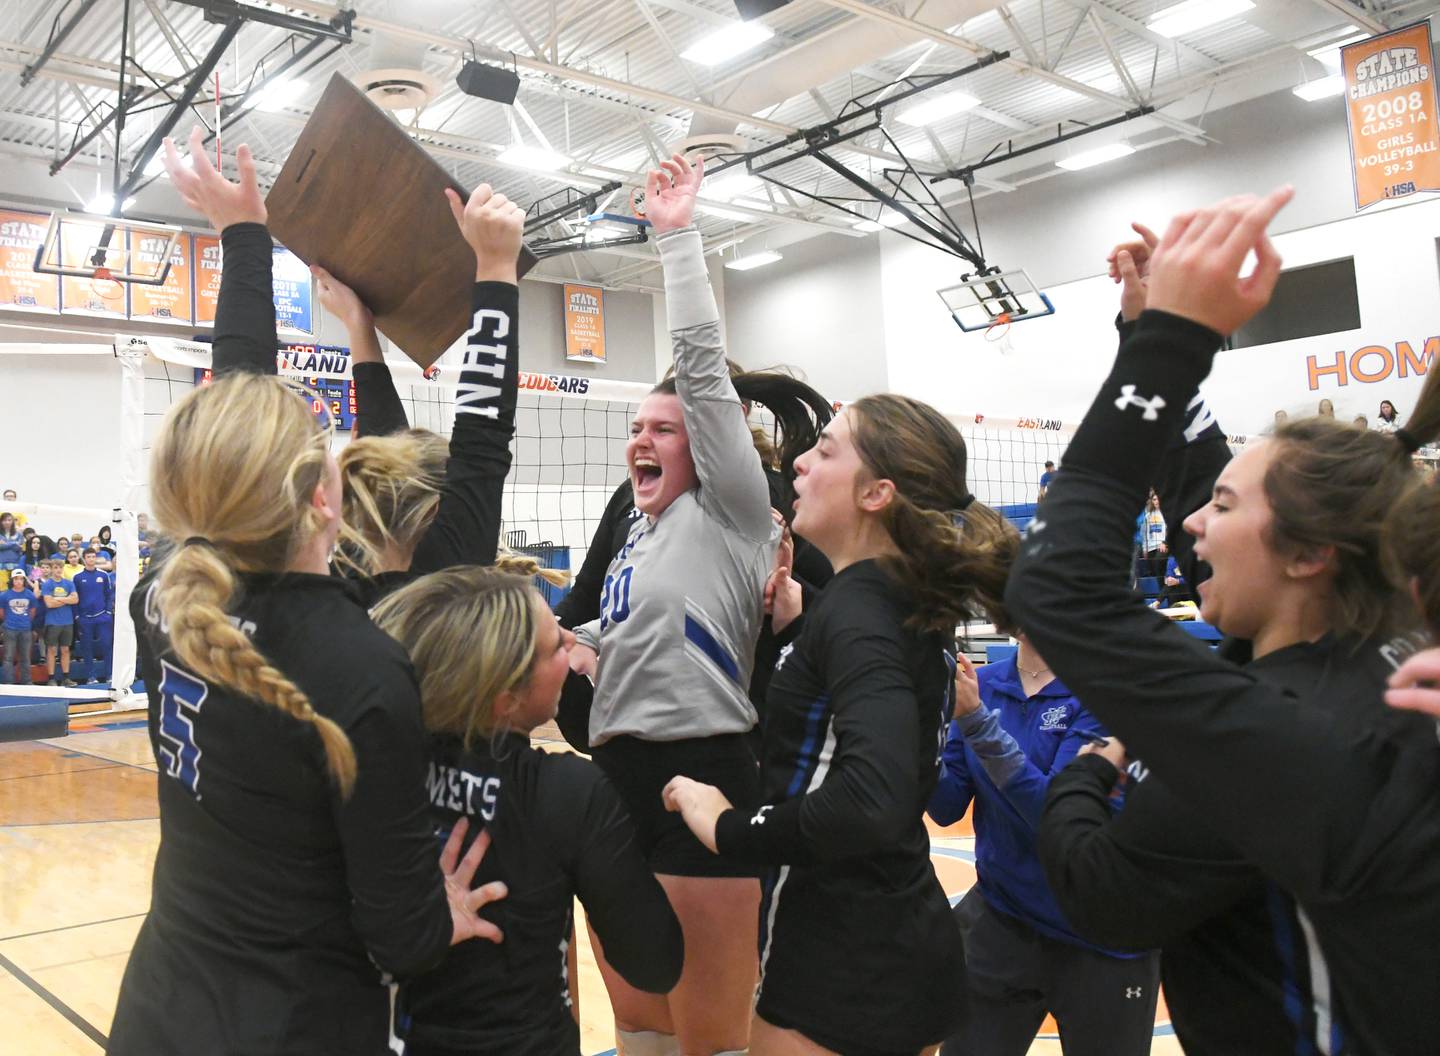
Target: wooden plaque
363,200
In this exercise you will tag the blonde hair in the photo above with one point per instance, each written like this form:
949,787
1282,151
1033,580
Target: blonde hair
391,487
471,633
232,474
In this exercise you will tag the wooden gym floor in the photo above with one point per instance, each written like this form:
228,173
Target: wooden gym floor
78,832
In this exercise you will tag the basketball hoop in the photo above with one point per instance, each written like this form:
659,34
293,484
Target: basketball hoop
998,333
104,286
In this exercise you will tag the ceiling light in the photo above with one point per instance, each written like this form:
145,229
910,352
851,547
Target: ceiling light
754,260
1086,158
723,214
725,44
104,205
731,185
1329,54
1191,15
537,158
1320,88
868,226
276,95
938,108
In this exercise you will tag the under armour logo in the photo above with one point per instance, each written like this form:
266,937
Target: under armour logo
1129,399
784,655
1134,992
759,818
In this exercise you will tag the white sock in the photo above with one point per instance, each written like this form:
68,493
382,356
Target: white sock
648,1043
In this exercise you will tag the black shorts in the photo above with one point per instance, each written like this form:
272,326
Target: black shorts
61,634
640,770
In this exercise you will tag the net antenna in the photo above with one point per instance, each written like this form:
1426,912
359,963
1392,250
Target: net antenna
993,300
109,250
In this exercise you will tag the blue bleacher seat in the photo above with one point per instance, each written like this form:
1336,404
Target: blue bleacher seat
996,653
1202,630
1148,585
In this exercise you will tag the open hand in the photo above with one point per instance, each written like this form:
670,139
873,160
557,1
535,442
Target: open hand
465,904
1416,685
700,805
207,191
784,599
670,193
1129,265
1196,269
967,687
495,228
340,300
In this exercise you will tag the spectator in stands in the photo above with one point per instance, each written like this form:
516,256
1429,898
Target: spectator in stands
72,565
60,599
77,542
21,606
1361,422
1175,589
106,539
104,556
1388,420
1045,479
1281,417
37,550
9,498
1327,409
12,544
142,527
94,629
1152,538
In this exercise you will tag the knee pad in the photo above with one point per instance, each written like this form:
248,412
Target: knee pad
648,1043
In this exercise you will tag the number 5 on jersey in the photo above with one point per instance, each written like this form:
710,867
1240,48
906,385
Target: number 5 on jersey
615,598
181,697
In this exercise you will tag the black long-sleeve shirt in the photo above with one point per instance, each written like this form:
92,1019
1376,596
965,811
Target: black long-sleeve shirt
244,337
1338,804
274,898
560,831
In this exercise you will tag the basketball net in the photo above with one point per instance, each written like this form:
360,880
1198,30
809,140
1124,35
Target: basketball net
998,334
104,286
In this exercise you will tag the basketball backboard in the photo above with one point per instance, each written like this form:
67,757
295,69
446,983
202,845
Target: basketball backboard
979,302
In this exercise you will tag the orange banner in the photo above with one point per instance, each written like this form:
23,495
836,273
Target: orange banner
207,278
21,286
585,323
1390,107
87,296
169,303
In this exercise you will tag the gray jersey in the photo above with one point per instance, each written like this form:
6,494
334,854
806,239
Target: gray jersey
682,602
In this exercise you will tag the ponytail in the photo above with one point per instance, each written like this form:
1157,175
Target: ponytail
391,488
955,552
232,473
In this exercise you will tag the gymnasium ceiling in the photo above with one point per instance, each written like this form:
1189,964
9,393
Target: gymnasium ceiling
603,83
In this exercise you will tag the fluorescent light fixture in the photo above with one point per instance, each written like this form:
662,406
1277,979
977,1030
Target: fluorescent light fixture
1329,54
731,185
754,260
1098,156
888,218
724,214
103,204
1191,15
1321,88
725,44
938,108
868,226
277,95
537,158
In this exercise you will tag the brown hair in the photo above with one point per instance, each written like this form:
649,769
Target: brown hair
471,634
1331,485
391,486
1413,527
955,552
236,464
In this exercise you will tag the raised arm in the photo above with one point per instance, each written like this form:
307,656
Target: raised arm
466,529
378,410
244,337
732,481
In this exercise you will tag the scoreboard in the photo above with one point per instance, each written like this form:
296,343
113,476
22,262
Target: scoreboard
332,396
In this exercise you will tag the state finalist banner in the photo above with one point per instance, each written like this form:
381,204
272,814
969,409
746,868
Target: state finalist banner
292,291
207,278
584,323
21,286
1391,112
169,302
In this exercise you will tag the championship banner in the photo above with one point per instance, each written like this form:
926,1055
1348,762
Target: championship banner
21,287
207,279
170,302
585,323
292,291
103,298
1391,112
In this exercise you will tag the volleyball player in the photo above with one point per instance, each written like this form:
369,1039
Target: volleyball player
680,613
861,955
412,502
296,862
1335,798
491,661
